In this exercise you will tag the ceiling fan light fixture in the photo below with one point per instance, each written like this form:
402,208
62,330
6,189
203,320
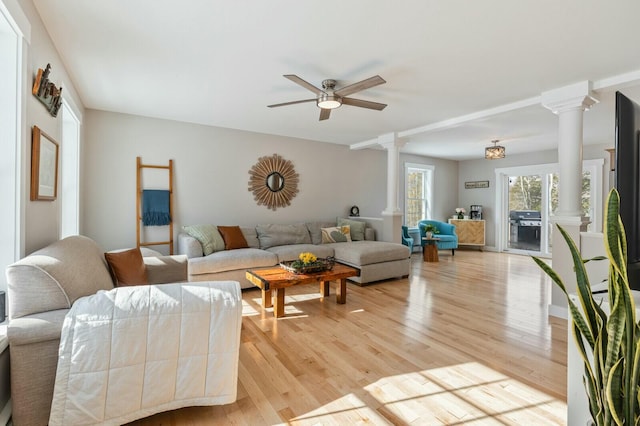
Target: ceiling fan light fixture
329,102
494,152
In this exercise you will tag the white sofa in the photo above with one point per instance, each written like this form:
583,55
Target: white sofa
42,289
270,244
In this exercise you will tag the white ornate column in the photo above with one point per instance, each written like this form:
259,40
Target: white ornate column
392,215
569,103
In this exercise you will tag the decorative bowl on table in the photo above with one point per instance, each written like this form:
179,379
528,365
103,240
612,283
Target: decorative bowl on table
307,263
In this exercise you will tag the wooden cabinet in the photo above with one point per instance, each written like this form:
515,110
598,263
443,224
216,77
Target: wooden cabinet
470,232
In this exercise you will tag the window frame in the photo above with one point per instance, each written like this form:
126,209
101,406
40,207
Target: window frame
70,169
15,35
427,199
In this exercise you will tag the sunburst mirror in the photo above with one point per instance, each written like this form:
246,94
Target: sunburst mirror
273,181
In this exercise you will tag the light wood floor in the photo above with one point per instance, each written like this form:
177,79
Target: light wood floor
463,341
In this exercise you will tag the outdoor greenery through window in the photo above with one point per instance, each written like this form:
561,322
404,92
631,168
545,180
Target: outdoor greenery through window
418,190
525,193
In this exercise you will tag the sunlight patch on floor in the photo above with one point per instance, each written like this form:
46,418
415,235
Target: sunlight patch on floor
469,393
349,407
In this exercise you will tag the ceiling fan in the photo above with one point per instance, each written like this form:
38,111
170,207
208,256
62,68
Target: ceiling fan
329,98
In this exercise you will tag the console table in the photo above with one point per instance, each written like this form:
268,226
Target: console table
470,232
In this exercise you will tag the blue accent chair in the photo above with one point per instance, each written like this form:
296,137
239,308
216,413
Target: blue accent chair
446,233
407,239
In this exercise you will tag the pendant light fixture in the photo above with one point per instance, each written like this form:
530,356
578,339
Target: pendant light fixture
494,152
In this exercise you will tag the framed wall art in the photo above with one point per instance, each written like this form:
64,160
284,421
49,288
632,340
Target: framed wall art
476,184
44,166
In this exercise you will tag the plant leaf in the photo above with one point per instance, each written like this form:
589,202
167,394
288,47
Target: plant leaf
576,315
614,393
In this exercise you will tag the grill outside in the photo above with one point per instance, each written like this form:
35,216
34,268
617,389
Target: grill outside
525,227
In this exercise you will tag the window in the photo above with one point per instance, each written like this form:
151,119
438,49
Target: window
70,172
11,137
419,193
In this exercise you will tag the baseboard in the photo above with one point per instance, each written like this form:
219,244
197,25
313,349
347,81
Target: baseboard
559,311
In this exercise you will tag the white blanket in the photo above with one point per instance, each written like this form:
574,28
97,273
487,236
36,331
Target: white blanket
132,352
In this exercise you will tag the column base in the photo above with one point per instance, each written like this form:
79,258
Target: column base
391,226
570,220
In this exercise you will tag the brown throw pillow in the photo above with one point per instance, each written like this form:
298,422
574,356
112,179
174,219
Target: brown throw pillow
233,238
127,267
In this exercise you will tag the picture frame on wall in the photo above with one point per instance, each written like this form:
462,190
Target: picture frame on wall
44,166
476,184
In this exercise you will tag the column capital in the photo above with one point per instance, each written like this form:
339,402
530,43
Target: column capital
574,96
391,140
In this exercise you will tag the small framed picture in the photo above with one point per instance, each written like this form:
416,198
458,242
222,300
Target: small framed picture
44,166
476,184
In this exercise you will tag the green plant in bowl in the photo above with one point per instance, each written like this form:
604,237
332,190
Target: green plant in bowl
431,228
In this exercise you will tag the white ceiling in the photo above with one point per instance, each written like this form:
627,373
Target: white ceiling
221,63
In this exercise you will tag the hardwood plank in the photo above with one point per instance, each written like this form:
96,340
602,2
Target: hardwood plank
466,340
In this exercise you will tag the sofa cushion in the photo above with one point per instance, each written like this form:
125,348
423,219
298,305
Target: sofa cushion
229,260
356,228
250,236
291,252
271,235
147,252
166,269
233,237
336,234
315,230
208,236
56,276
360,253
127,267
445,238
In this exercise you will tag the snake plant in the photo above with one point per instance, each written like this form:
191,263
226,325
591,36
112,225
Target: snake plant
609,343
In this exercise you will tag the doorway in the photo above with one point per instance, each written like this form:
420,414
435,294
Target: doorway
527,199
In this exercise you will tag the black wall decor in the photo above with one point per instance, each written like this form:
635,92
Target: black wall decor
46,91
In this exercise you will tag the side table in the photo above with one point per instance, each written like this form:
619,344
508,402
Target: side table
430,251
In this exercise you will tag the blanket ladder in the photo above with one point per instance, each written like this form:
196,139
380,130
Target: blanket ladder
139,192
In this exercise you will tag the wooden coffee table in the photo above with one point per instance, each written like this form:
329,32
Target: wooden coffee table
278,279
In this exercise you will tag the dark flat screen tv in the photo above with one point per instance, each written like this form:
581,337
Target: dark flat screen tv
627,180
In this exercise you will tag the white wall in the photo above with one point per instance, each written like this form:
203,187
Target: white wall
42,218
211,176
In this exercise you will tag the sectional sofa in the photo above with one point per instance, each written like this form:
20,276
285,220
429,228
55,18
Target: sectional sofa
269,244
42,288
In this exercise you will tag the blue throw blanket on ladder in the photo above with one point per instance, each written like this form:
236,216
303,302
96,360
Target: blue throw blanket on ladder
155,207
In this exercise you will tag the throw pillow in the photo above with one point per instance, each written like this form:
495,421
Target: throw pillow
208,235
315,230
127,267
337,234
271,235
233,237
356,228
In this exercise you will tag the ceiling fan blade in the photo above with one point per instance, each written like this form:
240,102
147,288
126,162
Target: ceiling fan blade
303,83
361,85
363,104
324,114
292,103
